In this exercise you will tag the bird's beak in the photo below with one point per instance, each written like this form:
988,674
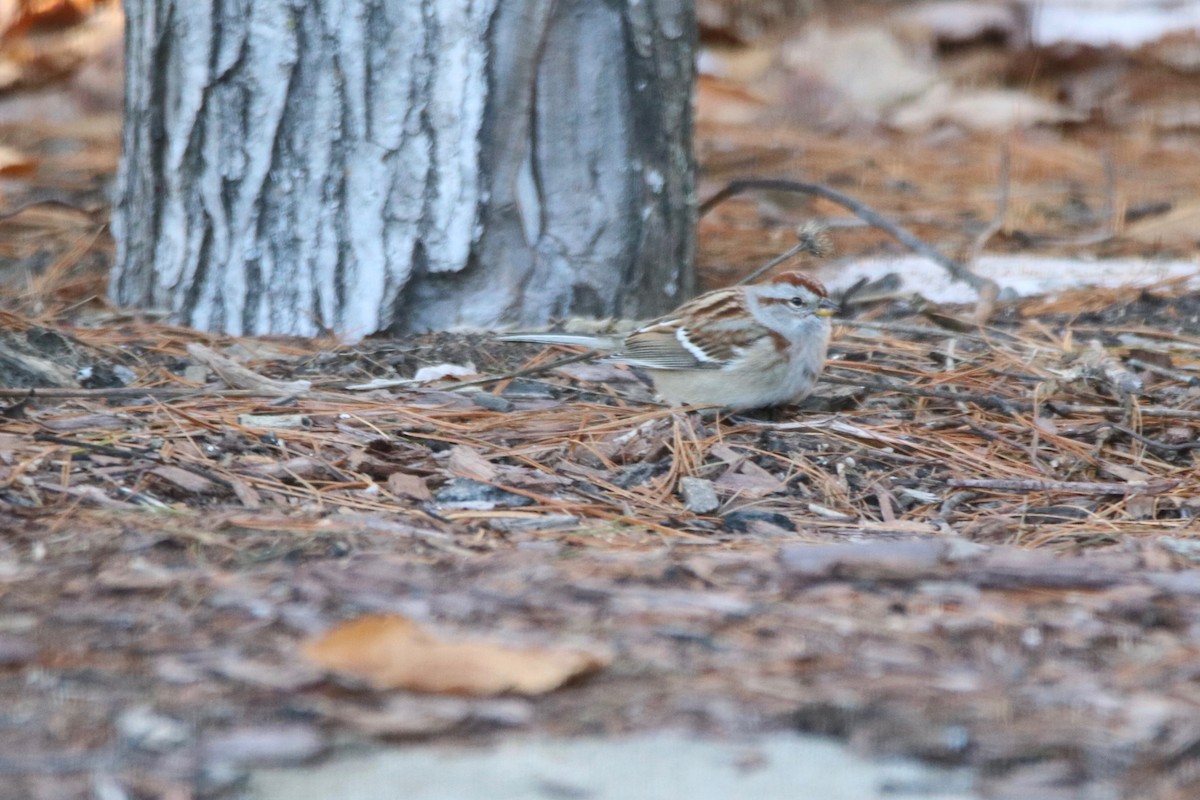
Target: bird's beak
827,308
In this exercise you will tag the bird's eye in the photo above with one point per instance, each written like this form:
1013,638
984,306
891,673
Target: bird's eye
796,302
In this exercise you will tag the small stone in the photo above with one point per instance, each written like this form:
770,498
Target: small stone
744,520
491,402
469,494
124,374
15,650
264,745
1188,548
699,495
144,728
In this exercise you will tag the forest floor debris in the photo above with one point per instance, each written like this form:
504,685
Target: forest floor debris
982,558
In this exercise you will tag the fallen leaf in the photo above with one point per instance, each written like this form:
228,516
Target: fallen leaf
466,462
749,480
48,41
1178,227
1125,473
182,479
393,652
405,485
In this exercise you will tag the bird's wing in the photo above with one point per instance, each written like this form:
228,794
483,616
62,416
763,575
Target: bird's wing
668,345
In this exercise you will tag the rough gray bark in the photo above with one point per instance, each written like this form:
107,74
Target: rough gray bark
363,165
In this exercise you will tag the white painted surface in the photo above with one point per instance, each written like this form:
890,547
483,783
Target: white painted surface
662,766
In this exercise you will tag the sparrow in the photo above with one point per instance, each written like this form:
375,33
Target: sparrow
738,348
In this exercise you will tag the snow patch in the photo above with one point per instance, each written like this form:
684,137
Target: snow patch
1018,276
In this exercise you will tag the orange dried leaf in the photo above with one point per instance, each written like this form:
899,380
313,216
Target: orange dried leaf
50,42
56,13
14,163
10,12
392,652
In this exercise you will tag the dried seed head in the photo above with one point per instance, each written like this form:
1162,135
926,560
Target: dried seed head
814,239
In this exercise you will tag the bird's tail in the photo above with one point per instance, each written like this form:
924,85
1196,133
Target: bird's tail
577,339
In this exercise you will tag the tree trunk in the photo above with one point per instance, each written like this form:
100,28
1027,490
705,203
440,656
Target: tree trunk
294,166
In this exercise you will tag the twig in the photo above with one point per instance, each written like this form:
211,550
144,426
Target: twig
159,393
811,239
986,401
524,373
912,330
99,449
992,436
1162,412
1166,372
121,452
1072,487
239,377
1112,218
957,270
1153,444
94,215
997,223
163,392
794,250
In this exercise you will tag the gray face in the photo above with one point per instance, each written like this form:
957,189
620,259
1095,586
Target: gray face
793,310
